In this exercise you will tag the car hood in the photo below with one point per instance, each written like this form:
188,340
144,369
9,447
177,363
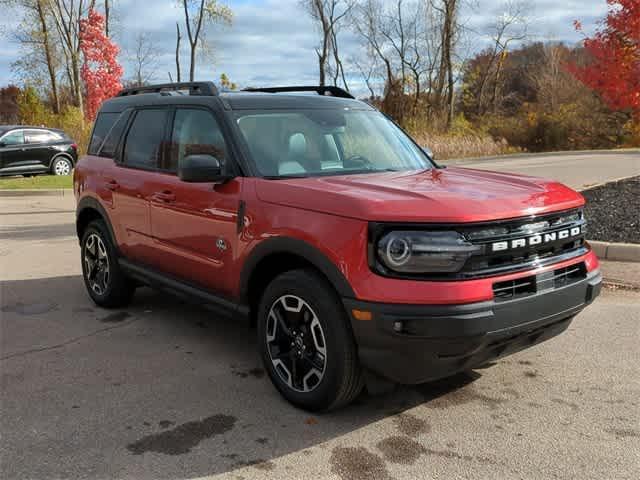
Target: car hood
440,195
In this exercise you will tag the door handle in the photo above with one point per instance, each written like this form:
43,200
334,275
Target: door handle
165,196
112,185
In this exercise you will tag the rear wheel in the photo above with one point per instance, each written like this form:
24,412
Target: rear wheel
106,283
306,342
62,166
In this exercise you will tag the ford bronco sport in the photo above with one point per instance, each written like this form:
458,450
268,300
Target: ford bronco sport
318,219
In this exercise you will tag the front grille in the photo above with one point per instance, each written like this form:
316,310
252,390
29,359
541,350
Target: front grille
515,245
568,275
512,289
523,287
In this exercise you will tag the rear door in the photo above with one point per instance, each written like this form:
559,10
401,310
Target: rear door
194,225
129,180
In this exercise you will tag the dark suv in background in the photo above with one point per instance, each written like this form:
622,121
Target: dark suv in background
34,150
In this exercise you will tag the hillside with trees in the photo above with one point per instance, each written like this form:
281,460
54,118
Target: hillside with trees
460,91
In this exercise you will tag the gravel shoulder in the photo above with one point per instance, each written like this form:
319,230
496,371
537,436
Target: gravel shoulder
613,211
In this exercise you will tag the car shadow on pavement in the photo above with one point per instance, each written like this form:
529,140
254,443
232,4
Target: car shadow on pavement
161,389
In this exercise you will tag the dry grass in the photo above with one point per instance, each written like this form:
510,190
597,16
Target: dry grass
461,140
449,146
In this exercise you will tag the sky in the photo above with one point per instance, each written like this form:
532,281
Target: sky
272,42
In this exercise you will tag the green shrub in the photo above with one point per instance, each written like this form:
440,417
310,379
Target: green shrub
33,111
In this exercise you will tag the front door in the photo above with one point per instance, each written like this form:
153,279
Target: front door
195,225
12,152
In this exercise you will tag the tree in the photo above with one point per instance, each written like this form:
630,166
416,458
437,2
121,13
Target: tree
329,14
227,84
614,67
368,25
143,59
38,62
178,40
197,15
511,26
66,16
32,110
41,9
449,11
107,16
402,40
101,71
9,111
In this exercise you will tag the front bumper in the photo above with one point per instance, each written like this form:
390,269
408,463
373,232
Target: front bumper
413,344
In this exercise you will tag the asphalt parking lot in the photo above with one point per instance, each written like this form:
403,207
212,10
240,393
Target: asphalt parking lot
164,390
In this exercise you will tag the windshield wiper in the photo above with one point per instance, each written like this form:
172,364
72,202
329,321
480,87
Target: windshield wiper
284,177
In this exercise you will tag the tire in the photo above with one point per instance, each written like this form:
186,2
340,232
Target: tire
303,301
61,166
110,287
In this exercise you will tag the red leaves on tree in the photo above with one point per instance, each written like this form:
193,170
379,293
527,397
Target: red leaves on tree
614,70
101,72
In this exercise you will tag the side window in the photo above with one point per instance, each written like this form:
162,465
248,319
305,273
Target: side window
103,124
13,138
37,136
195,132
112,141
143,147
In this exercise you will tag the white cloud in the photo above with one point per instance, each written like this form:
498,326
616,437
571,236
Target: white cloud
273,41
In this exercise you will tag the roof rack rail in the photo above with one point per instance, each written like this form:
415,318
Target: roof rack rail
331,90
206,89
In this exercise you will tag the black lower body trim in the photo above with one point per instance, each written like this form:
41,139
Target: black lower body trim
181,289
413,344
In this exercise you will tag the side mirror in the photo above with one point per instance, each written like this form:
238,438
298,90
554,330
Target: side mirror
202,169
2,144
428,152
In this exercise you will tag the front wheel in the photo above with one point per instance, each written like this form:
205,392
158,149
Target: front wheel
306,342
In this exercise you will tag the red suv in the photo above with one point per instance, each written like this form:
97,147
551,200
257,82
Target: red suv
313,215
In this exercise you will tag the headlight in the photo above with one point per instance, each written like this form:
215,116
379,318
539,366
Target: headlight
424,252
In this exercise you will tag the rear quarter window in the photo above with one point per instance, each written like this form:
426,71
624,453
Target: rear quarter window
103,125
40,136
111,143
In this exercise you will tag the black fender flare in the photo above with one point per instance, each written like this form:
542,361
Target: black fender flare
300,248
90,203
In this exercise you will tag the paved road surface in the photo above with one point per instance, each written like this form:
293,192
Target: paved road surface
163,389
578,170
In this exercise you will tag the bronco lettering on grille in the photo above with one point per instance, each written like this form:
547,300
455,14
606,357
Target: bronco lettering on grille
540,239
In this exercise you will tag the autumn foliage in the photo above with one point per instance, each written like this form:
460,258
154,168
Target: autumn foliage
101,72
614,69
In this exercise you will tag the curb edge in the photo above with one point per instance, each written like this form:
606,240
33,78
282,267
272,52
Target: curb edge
36,193
616,252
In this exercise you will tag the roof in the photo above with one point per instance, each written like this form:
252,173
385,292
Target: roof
272,101
6,128
238,101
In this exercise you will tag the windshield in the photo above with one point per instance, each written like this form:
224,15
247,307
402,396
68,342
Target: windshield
302,143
